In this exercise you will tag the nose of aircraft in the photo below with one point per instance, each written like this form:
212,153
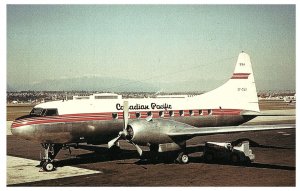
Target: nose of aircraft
22,128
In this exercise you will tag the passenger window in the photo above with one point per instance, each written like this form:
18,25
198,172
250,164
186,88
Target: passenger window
137,114
209,112
181,113
149,113
115,115
200,112
171,113
191,112
161,113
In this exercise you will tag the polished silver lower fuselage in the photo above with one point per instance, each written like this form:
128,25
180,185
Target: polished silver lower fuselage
102,131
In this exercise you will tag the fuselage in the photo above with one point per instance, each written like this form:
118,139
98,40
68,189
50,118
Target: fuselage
98,118
96,121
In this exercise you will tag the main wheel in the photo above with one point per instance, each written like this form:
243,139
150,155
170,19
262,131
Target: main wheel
182,158
48,166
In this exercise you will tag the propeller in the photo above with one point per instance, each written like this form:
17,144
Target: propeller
123,133
139,150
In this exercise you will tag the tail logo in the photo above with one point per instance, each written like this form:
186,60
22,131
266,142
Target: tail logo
240,75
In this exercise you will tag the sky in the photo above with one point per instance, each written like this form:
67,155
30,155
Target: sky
157,44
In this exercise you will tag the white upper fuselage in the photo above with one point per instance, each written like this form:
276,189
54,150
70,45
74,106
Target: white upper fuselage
136,105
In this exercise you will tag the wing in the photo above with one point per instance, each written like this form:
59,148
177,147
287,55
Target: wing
290,112
201,131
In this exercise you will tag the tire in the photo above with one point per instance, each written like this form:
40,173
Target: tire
182,158
48,166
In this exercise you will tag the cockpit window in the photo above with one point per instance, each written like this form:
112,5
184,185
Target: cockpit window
50,112
43,112
36,111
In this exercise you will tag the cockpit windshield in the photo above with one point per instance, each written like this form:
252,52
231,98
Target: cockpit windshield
36,111
43,112
39,112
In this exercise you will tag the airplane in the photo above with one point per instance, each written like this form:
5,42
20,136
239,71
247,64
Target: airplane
162,123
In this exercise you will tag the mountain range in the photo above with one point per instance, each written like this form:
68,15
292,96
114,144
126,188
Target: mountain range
112,84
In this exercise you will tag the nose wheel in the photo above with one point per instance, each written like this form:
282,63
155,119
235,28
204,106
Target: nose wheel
48,166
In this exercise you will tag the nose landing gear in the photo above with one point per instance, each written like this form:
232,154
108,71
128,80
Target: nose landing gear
50,152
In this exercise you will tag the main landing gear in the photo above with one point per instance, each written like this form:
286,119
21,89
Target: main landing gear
182,158
50,152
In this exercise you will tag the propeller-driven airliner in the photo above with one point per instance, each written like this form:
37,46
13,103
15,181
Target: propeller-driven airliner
163,123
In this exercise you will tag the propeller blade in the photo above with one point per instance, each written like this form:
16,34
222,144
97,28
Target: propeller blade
113,141
121,133
125,114
139,150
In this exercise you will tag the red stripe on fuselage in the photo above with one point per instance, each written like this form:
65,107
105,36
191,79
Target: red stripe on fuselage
108,116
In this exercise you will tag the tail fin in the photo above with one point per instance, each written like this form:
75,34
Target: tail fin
239,92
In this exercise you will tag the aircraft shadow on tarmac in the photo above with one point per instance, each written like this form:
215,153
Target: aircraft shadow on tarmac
253,164
98,154
102,154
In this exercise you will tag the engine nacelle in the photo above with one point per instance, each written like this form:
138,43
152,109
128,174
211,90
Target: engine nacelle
145,132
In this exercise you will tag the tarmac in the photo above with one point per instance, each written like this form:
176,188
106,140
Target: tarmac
275,163
21,170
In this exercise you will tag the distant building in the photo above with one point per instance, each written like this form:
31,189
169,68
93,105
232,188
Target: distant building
98,96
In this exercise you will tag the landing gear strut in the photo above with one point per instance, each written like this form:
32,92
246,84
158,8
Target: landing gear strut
50,152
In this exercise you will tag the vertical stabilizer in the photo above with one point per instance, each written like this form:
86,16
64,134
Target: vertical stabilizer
239,92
